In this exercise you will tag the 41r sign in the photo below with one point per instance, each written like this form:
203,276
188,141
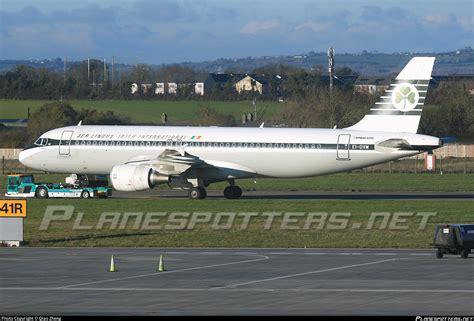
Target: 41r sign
12,208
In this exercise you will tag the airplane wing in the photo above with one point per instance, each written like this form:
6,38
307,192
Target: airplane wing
170,162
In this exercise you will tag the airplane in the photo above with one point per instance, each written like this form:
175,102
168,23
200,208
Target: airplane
190,158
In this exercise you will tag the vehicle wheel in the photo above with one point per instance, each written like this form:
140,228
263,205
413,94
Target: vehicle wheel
232,192
464,254
197,193
85,194
41,192
439,254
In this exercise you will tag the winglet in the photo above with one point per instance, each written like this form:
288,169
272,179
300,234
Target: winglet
261,126
80,123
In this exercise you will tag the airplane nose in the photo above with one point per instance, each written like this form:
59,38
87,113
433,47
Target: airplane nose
24,157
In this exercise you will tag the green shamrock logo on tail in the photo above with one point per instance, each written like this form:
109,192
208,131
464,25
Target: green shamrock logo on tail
405,97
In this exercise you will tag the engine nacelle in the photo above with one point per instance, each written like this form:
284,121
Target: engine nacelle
129,178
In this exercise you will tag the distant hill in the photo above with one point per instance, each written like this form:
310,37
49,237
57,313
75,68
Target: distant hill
366,63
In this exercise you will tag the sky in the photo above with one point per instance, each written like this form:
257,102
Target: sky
167,31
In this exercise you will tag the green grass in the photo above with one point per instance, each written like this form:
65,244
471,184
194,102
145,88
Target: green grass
143,111
344,182
61,233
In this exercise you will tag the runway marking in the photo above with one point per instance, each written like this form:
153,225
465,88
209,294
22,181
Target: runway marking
421,254
306,273
281,253
388,254
92,289
262,258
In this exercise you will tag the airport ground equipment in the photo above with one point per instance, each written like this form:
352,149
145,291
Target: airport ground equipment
76,186
453,239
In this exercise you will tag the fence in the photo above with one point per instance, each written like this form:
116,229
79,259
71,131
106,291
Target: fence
455,158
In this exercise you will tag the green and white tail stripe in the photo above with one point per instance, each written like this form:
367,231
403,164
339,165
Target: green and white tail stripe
399,109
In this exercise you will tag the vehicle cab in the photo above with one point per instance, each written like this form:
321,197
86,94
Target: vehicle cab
22,184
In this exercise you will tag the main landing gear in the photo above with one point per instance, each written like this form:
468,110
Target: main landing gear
197,193
231,192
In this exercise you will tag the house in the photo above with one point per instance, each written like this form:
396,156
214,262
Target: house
216,81
372,85
134,88
160,88
199,84
146,88
172,88
250,83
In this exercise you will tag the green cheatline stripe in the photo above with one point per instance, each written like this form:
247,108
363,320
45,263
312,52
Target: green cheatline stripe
192,137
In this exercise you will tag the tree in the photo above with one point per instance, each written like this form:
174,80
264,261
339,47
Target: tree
50,116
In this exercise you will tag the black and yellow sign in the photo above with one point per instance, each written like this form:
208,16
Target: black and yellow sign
12,208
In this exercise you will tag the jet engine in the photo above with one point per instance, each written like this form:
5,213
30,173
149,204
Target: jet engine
129,178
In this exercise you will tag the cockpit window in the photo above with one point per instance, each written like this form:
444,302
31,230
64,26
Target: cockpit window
41,141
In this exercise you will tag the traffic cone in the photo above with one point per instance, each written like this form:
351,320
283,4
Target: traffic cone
161,266
112,265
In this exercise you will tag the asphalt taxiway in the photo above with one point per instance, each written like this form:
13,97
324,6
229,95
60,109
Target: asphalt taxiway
305,195
234,282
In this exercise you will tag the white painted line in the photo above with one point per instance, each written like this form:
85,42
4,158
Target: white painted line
350,253
262,258
385,254
315,253
245,253
306,273
420,254
94,289
281,253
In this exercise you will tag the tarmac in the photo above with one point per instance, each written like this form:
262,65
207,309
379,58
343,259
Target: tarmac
304,195
76,281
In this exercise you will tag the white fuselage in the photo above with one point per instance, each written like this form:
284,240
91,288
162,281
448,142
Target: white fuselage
270,152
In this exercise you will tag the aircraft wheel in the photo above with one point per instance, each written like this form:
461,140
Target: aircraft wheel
41,192
465,254
85,194
439,254
232,192
197,193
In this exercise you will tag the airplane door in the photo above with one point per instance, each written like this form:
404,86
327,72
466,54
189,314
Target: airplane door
343,146
65,143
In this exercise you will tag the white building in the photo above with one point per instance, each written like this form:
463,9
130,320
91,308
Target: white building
160,88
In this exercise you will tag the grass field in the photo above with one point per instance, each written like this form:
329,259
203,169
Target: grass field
344,182
62,233
143,111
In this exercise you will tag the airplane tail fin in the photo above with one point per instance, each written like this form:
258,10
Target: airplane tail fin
399,109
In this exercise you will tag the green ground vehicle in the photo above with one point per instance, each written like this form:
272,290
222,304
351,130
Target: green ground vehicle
24,185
